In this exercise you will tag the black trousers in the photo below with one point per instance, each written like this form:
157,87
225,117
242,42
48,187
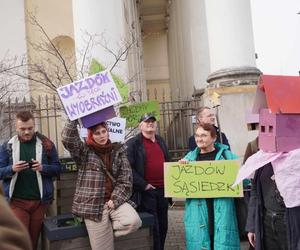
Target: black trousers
274,231
293,227
154,202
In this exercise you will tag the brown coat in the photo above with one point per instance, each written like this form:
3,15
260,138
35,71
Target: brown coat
13,235
88,200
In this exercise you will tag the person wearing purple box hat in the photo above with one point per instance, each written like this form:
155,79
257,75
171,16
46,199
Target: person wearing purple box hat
104,185
147,153
266,215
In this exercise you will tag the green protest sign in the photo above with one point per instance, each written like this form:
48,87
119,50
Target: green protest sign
133,112
202,179
96,67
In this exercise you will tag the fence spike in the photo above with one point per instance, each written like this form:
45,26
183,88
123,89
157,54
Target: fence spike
155,93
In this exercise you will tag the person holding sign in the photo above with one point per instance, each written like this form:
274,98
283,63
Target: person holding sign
147,153
104,185
210,223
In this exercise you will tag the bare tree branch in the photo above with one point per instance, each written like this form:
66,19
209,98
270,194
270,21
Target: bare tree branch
85,55
50,68
35,22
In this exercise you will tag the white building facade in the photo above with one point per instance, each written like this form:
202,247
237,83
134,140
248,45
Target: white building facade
180,48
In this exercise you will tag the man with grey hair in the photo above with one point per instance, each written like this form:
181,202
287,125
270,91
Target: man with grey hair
207,115
147,153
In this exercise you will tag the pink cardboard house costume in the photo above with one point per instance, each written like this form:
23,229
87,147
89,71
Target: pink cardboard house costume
278,103
278,132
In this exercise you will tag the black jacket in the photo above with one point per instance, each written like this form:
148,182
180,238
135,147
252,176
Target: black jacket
254,222
137,157
193,145
255,210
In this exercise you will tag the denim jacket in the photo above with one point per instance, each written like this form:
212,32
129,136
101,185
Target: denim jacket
10,154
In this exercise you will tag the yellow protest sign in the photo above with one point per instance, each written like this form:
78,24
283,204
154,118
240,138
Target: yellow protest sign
202,179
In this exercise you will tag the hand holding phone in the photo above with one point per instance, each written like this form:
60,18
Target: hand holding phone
30,163
19,166
35,165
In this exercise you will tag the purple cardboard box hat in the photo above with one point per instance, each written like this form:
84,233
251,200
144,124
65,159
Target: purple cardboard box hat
278,132
278,104
97,117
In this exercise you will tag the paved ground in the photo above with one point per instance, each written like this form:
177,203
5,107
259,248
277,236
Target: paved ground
175,238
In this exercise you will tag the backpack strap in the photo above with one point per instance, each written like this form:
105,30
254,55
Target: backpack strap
224,154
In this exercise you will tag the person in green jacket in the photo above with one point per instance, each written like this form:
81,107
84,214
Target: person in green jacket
210,223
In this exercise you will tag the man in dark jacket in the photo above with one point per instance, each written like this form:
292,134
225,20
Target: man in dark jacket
206,115
266,223
147,153
28,163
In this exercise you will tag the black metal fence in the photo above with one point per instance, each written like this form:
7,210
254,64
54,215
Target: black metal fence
175,124
46,110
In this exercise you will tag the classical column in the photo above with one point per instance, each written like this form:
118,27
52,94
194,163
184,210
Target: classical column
13,42
116,26
103,20
231,43
232,62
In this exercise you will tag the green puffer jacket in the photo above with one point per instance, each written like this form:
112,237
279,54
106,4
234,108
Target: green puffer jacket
226,234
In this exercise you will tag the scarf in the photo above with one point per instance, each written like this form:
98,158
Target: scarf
100,150
105,154
46,142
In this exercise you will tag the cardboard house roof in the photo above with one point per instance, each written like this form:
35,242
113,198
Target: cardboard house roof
281,94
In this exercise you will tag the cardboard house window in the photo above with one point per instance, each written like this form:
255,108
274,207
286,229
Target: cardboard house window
270,129
253,126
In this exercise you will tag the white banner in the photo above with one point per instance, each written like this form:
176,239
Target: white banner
116,128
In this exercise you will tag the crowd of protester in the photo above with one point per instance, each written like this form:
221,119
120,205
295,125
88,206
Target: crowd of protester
116,181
